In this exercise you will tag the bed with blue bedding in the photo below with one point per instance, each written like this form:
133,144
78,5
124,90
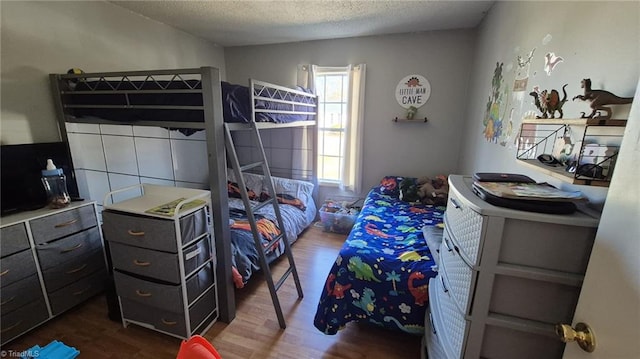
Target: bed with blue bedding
298,211
382,271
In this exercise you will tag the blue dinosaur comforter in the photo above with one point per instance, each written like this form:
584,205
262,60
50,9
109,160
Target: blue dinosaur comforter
381,273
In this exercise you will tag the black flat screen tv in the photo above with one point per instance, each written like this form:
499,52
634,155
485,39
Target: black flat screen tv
20,173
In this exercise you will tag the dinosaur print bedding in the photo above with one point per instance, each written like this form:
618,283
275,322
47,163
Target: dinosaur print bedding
381,273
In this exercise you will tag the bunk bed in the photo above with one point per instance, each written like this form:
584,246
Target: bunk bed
190,100
298,209
382,271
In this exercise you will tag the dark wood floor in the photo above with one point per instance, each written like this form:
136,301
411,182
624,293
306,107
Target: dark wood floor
254,333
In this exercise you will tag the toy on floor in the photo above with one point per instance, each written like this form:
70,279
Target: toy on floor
53,350
197,347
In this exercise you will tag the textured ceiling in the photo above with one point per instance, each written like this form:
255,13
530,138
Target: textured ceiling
238,23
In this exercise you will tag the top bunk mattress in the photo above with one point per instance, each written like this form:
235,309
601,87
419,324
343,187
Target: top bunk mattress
182,101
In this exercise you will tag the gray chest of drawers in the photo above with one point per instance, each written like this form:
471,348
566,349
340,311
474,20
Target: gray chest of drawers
51,261
505,279
164,265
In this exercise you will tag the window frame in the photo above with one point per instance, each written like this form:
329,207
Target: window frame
323,129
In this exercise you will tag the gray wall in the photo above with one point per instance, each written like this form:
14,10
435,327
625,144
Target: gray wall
597,40
45,37
411,149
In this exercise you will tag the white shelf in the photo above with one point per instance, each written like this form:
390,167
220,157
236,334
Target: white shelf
539,136
596,121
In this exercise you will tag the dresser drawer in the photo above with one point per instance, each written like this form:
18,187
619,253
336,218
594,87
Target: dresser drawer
76,293
162,296
18,294
197,254
152,233
457,276
436,338
465,225
71,271
146,262
23,319
433,342
508,343
433,237
200,282
16,267
201,313
78,245
62,224
455,327
558,247
542,301
14,239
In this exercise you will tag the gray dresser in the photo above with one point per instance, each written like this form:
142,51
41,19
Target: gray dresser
51,261
164,264
505,278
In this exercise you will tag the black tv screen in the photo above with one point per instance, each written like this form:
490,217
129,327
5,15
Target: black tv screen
20,172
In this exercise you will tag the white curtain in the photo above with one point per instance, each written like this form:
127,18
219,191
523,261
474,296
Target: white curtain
352,166
352,156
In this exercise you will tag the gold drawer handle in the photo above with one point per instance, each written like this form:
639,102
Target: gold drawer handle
4,272
141,264
71,249
8,300
135,233
60,225
82,267
167,322
142,294
81,292
11,327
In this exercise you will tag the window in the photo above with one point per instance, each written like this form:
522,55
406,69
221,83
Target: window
340,93
332,86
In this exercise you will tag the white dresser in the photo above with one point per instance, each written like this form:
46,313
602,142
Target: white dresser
505,278
163,264
51,260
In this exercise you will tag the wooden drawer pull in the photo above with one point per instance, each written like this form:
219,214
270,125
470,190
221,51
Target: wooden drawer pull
11,327
142,294
60,225
135,233
8,300
82,267
4,272
167,322
71,249
141,264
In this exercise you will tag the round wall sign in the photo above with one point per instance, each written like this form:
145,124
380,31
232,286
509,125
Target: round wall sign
413,90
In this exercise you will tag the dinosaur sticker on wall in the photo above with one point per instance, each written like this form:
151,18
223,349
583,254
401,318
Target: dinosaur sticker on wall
506,101
522,72
492,121
551,61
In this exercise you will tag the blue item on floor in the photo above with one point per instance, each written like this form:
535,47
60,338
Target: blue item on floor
53,350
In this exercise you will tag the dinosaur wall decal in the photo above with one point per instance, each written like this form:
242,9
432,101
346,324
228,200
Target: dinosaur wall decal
599,99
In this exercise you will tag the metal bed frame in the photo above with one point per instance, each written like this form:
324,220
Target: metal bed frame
207,84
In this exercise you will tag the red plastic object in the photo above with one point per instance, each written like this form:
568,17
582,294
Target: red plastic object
197,347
